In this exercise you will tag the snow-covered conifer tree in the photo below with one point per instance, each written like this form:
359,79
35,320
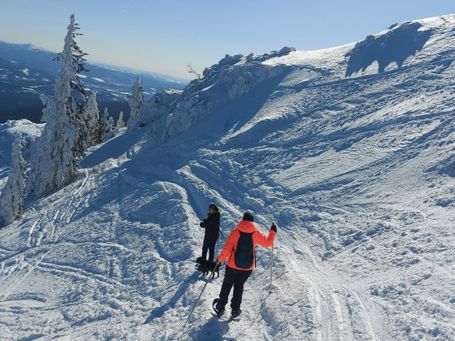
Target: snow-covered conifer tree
53,164
107,125
73,58
120,122
92,117
49,107
13,194
78,96
136,101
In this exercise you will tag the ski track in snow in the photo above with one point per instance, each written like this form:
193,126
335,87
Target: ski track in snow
328,299
67,218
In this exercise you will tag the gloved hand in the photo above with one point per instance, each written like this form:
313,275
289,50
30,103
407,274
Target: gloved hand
200,224
273,227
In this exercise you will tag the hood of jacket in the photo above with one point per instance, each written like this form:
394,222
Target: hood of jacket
246,226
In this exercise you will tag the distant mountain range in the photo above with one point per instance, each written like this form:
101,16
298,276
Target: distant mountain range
26,71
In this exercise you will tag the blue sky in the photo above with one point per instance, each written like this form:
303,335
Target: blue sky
166,35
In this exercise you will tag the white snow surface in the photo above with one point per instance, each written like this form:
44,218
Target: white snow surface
358,172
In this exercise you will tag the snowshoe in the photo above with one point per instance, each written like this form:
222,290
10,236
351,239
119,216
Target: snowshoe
217,308
200,260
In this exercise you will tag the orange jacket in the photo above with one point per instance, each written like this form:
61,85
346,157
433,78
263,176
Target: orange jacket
231,243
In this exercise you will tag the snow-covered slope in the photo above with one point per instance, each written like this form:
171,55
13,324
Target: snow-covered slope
357,167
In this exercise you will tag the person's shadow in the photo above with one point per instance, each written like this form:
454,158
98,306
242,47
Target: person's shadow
213,330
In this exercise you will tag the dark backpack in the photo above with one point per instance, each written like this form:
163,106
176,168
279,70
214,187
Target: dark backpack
244,253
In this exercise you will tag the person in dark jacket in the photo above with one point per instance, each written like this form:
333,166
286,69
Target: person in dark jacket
212,231
239,252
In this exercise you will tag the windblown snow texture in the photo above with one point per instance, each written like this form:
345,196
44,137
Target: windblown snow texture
358,173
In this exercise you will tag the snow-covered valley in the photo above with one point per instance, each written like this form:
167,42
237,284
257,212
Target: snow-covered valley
358,171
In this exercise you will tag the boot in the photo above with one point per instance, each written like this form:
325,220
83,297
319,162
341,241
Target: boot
217,307
236,313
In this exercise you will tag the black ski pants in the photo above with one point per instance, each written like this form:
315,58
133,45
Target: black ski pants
233,278
209,245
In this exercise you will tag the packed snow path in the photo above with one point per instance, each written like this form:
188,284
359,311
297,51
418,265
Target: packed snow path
357,171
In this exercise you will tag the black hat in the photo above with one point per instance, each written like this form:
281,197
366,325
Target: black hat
248,216
214,207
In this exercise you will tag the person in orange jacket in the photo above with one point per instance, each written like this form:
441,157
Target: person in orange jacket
240,253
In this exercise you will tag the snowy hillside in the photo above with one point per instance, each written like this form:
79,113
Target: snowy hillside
356,166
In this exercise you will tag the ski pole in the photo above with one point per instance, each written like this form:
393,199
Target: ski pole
212,276
272,258
271,271
194,306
